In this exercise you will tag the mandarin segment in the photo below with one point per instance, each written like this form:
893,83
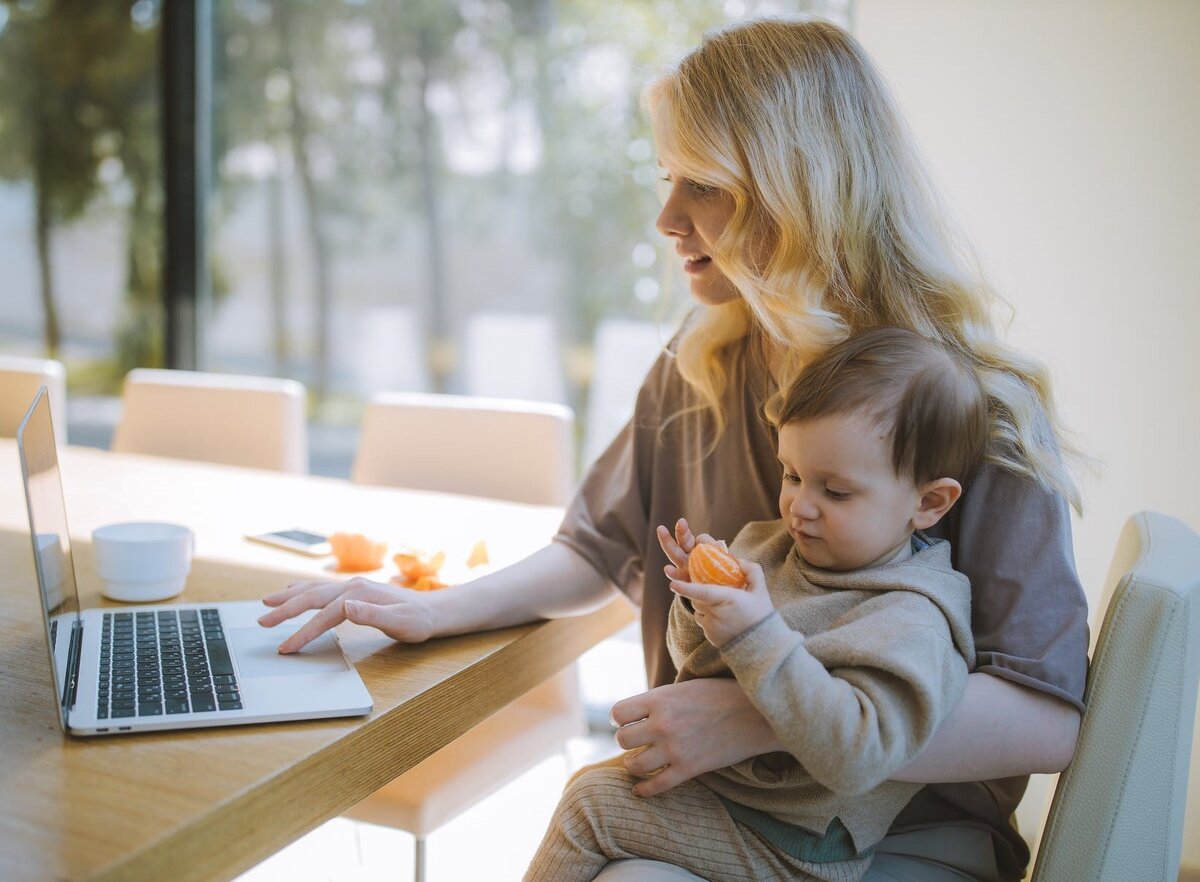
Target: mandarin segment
418,572
478,556
426,583
356,553
711,564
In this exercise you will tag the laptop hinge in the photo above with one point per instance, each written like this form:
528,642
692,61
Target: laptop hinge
74,656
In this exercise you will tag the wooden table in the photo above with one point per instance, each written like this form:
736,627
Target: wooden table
208,804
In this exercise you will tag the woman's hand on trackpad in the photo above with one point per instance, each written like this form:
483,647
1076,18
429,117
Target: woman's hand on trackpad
401,613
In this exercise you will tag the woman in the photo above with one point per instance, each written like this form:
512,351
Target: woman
802,213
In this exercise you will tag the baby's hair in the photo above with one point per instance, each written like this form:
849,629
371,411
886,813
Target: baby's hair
928,400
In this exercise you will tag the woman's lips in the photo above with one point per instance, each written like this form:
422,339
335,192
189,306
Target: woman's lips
696,264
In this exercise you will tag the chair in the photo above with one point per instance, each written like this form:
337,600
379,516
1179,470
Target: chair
624,351
257,422
513,356
1118,809
521,451
516,450
20,378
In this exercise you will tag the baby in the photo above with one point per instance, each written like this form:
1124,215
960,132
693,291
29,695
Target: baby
852,636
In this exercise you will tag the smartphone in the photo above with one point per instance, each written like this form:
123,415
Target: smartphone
297,540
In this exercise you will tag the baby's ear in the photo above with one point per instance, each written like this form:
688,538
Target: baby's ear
937,497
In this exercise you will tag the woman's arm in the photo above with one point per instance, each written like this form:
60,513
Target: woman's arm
997,730
552,582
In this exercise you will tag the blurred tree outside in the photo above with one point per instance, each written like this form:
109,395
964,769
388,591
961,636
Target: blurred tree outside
452,157
430,158
78,119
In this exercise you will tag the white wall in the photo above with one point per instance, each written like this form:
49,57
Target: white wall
1066,136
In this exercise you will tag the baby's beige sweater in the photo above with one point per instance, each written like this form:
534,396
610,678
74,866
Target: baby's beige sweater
853,670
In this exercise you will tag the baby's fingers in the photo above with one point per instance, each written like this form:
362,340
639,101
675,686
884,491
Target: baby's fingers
683,535
755,581
700,593
670,547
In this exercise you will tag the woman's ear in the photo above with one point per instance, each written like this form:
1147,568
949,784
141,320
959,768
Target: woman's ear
937,496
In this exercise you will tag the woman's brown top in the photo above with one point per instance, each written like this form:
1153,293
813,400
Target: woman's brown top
1010,536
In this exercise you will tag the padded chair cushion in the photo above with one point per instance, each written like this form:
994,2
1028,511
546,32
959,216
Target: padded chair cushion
1118,810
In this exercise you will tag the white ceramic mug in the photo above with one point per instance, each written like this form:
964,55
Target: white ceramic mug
142,561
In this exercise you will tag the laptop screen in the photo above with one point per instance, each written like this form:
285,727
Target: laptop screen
51,541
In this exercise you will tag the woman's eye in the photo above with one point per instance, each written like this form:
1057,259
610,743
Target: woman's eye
702,189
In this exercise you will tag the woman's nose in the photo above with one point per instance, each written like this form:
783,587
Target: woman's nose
672,221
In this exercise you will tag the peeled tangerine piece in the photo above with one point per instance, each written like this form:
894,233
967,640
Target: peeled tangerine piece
356,553
712,564
478,556
419,573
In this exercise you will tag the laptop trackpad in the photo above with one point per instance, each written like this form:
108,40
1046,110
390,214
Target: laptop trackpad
256,655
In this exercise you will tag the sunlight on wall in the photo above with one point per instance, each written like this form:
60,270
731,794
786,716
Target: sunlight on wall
1064,136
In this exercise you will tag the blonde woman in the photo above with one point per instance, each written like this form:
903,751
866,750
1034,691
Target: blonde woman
802,213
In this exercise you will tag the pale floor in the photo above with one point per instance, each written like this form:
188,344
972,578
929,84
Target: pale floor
494,839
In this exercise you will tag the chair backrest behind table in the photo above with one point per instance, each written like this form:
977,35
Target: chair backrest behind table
522,451
230,419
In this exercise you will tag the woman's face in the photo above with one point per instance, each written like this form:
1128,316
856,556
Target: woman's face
694,216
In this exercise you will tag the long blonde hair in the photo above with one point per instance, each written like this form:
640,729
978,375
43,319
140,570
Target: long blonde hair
836,226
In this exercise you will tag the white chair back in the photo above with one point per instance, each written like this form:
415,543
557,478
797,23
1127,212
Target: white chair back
513,356
498,448
523,451
1118,810
20,378
257,422
624,351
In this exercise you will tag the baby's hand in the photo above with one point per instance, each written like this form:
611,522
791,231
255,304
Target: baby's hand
723,612
678,547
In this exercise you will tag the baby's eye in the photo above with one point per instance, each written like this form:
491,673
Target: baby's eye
789,478
837,495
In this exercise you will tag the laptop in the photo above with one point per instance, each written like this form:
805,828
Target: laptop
164,666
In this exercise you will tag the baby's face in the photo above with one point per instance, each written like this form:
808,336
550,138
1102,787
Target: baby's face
842,501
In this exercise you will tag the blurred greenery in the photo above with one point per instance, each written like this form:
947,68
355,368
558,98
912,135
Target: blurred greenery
500,142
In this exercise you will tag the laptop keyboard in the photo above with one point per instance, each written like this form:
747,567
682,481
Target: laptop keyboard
165,662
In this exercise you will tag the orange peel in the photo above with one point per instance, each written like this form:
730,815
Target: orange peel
356,553
419,572
478,556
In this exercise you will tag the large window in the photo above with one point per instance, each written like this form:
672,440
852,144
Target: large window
442,195
81,187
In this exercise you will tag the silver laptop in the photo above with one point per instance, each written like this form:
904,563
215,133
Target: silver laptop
164,666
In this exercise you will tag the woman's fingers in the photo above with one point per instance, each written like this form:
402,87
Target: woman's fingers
329,598
297,598
409,622
668,777
645,763
331,616
633,735
630,710
289,591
